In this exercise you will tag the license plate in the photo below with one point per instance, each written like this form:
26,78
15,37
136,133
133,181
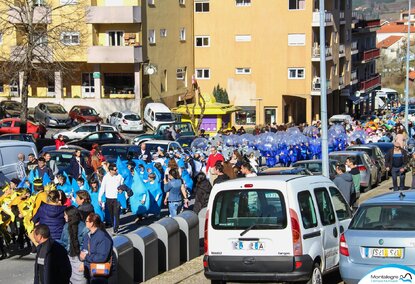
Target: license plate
384,252
248,245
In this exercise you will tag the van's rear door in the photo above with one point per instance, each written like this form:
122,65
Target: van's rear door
246,223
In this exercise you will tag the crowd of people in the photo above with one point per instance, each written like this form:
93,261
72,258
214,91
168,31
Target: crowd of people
67,212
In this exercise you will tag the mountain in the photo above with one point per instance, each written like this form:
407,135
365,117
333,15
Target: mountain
386,9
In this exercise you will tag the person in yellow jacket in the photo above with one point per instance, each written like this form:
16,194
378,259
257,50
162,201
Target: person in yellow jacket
22,206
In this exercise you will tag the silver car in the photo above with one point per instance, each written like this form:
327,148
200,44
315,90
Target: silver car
381,232
368,170
51,114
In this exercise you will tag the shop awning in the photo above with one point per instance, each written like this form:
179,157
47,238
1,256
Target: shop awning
358,100
210,109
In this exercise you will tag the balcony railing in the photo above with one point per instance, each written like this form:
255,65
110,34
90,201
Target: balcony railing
317,84
341,80
328,19
113,14
353,75
371,54
374,81
115,54
342,50
317,51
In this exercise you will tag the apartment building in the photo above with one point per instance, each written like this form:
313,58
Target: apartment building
114,54
267,55
364,79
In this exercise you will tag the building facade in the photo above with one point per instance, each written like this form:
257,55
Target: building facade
267,55
113,53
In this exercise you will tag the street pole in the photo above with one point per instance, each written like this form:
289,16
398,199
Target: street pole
323,92
408,44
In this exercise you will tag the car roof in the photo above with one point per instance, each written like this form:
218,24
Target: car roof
363,146
393,197
162,142
68,150
350,153
314,161
95,123
118,145
48,103
128,112
81,106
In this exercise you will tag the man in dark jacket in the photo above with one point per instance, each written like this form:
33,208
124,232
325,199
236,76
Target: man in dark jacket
219,171
52,263
344,182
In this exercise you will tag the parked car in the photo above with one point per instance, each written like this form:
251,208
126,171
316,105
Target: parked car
10,108
368,170
51,114
125,151
385,147
274,229
63,159
12,125
378,158
126,121
18,137
81,130
186,129
8,153
340,118
165,145
50,148
82,114
380,233
316,167
284,171
156,114
100,138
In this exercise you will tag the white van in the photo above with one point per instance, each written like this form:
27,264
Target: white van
385,97
274,228
157,113
8,155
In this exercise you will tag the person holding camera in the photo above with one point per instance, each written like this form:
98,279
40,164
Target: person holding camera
176,192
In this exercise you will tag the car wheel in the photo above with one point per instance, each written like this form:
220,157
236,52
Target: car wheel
369,184
316,276
379,178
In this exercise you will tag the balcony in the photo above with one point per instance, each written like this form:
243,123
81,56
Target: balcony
371,54
113,15
354,48
316,53
41,15
115,54
342,18
328,20
353,77
41,54
342,50
341,82
371,83
316,87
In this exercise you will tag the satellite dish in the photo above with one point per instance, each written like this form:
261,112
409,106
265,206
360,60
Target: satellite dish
150,69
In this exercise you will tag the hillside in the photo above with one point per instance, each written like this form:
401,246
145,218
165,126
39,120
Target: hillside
386,9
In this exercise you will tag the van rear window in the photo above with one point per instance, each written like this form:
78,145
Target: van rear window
240,209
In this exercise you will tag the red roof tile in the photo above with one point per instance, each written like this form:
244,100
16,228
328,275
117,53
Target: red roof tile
412,75
387,42
394,28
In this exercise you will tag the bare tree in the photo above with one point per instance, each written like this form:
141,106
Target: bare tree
200,102
45,33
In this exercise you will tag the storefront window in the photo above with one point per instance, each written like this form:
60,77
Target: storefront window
119,85
246,116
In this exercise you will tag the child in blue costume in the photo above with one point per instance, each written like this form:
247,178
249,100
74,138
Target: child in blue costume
93,192
156,194
140,201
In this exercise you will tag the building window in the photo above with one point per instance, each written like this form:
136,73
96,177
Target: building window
243,38
70,38
181,73
242,70
243,2
202,41
296,4
246,116
115,38
152,36
182,2
296,39
182,34
118,83
296,73
163,32
203,73
152,2
202,6
88,85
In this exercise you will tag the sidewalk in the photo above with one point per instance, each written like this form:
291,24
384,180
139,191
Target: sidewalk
192,271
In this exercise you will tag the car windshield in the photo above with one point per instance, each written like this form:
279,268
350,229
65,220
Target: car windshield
367,150
241,209
132,117
342,158
384,217
112,153
56,109
152,147
88,111
164,116
63,159
185,141
385,147
13,106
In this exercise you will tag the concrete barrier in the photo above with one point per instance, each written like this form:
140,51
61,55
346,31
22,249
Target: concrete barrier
167,230
189,235
145,243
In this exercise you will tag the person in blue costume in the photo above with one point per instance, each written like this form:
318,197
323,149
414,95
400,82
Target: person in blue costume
94,189
64,185
156,194
140,201
187,179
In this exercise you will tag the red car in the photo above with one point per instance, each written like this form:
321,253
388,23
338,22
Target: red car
12,125
81,114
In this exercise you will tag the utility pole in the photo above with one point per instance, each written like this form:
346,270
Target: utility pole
323,92
408,45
